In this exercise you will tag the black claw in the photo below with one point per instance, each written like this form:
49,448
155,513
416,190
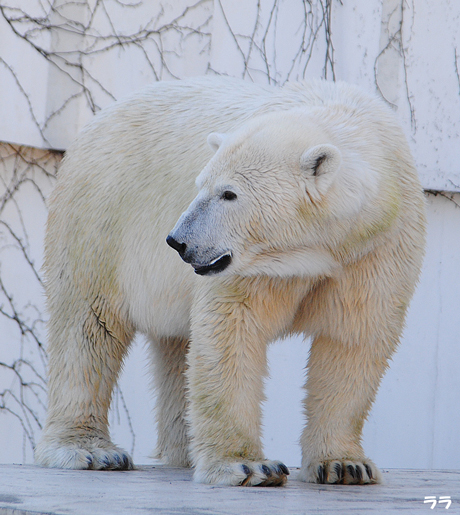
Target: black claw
368,470
127,462
105,460
359,473
89,460
351,471
321,475
339,471
266,471
246,470
284,470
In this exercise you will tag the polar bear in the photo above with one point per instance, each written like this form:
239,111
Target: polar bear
307,217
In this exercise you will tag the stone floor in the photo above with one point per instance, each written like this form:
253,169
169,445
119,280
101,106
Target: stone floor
27,490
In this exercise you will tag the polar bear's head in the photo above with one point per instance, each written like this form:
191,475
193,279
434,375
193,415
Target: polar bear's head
266,202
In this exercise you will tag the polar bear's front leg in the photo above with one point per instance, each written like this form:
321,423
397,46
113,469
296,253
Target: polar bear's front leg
357,319
342,383
227,365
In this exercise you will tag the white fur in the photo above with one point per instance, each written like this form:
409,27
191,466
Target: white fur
330,248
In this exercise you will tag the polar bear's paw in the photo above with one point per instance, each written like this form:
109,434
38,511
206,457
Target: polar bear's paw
89,453
344,472
248,473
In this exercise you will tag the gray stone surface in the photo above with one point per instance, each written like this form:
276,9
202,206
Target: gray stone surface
26,490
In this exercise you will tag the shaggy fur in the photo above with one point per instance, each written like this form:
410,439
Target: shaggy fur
309,219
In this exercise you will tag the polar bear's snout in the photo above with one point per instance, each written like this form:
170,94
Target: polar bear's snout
198,236
202,264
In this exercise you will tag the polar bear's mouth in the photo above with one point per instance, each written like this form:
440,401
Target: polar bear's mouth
215,266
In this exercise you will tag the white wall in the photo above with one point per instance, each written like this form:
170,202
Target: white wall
96,52
24,184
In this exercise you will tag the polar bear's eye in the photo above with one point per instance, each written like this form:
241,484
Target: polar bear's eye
228,195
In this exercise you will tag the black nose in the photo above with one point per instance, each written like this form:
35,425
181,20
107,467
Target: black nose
180,247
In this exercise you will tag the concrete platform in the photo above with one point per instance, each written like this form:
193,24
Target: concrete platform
28,490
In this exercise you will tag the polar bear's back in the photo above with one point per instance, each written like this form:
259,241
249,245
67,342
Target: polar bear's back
162,130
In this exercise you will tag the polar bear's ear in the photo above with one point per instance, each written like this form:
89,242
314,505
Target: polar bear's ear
319,165
215,140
